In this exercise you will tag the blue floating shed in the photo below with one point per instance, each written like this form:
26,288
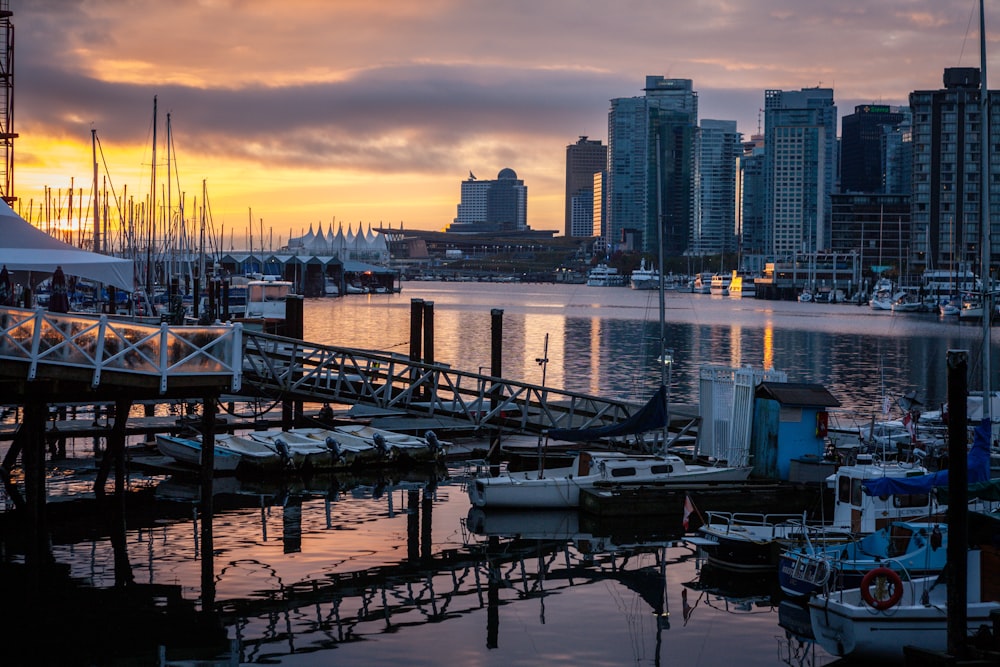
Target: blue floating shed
789,431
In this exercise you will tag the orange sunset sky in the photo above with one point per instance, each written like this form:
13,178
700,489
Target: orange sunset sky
312,112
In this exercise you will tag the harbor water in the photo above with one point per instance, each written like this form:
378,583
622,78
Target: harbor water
397,569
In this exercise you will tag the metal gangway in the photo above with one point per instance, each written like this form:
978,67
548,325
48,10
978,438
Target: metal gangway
102,352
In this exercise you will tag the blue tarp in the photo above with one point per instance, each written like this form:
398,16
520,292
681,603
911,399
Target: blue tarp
978,470
650,417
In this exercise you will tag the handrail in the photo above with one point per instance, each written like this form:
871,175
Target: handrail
100,344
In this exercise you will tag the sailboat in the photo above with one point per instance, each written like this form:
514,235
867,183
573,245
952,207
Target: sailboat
875,620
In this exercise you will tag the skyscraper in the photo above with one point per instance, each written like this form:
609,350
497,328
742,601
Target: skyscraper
651,165
800,157
583,159
719,148
862,146
947,187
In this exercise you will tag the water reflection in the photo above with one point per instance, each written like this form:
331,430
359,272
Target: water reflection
605,341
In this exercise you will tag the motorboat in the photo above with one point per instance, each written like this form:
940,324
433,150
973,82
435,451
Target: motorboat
882,296
888,610
603,275
747,540
188,452
741,285
561,487
645,277
719,284
266,298
703,283
912,548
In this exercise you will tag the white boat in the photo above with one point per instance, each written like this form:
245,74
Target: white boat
560,487
603,275
876,620
188,451
882,296
266,298
805,296
749,541
719,284
645,277
703,283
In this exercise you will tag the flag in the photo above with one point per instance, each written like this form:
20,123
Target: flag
688,509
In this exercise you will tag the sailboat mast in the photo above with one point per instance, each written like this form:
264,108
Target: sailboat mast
666,359
985,222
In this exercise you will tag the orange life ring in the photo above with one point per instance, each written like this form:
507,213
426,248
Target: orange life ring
891,580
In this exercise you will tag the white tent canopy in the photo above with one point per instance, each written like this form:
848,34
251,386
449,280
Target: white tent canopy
23,248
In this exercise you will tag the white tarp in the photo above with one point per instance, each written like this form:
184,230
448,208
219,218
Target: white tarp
24,248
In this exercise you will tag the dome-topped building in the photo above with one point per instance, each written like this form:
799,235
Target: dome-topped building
500,205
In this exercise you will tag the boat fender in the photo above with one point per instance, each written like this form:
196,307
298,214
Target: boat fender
881,578
822,423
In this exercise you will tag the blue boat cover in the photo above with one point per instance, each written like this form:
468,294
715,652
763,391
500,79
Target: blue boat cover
978,470
649,417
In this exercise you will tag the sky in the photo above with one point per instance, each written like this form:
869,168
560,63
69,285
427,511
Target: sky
361,113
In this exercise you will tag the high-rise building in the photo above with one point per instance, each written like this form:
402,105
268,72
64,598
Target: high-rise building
714,230
499,205
800,158
651,166
947,187
752,201
583,159
863,146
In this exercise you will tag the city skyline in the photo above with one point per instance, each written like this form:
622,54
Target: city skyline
313,113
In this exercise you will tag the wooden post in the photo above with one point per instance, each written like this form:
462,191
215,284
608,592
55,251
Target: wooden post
958,492
209,410
496,356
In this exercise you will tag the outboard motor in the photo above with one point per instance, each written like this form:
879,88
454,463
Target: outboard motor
381,444
283,450
334,448
434,443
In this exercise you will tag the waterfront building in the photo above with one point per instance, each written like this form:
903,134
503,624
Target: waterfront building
946,171
714,230
863,146
497,205
877,228
584,159
652,137
800,136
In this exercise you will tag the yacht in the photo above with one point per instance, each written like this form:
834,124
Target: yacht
645,277
742,285
703,283
719,284
603,275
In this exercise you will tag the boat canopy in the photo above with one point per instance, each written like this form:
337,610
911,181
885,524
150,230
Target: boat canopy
978,470
650,417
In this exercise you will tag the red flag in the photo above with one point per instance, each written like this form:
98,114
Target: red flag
688,509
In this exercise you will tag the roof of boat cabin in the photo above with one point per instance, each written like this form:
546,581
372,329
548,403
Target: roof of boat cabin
797,394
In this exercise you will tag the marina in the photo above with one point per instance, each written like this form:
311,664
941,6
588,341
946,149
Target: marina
401,559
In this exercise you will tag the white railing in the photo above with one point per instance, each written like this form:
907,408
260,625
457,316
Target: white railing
103,344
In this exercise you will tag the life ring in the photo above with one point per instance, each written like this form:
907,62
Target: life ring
891,580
